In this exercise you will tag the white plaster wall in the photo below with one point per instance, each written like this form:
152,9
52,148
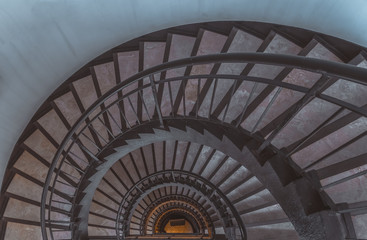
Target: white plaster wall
42,42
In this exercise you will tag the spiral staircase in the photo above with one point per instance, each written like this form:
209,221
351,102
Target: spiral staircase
245,130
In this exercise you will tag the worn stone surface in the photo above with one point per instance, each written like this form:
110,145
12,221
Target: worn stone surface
235,178
101,231
306,120
22,187
181,47
128,66
53,125
22,231
40,144
272,232
288,97
37,171
351,191
332,142
100,221
223,85
224,171
360,223
22,210
153,55
68,107
210,43
265,214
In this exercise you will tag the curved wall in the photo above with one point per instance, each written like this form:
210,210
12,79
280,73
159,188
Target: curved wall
42,42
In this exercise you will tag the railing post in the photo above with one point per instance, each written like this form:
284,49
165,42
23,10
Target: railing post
154,90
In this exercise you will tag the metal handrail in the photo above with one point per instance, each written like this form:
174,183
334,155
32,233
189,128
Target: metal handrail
181,173
167,198
158,219
333,69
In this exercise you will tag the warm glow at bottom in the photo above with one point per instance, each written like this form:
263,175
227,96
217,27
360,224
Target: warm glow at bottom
186,228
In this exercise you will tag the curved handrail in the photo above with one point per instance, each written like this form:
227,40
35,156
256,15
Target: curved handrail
333,69
199,222
189,174
173,197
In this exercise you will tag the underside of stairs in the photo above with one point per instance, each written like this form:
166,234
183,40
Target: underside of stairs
244,130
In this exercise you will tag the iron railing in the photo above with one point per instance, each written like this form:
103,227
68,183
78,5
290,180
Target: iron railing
182,178
147,82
